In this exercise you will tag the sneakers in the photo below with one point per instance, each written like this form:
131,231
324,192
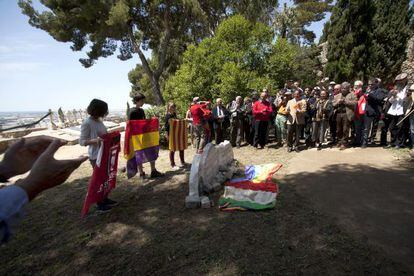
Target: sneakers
103,208
183,165
175,168
109,202
155,174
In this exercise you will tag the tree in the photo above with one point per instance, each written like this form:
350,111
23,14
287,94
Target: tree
292,21
349,40
281,61
390,33
229,64
130,25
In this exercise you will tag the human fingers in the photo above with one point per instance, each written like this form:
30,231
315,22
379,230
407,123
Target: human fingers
53,147
72,163
15,146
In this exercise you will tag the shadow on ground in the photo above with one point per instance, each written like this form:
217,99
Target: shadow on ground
376,205
152,233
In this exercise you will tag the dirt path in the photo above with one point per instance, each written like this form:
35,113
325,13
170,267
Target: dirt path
151,232
369,192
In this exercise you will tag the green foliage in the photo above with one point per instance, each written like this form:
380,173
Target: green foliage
280,63
349,40
390,35
292,21
231,63
367,38
239,59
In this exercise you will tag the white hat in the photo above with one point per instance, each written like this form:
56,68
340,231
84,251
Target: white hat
196,99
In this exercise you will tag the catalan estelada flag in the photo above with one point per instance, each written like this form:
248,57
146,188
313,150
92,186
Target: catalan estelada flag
178,136
255,191
142,143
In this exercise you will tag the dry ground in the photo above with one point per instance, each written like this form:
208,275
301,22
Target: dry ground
151,232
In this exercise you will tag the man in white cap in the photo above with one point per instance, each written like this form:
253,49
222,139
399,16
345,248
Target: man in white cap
396,110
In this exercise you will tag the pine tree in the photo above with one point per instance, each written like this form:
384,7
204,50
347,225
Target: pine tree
390,35
349,40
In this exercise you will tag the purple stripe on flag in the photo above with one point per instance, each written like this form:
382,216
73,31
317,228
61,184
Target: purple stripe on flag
141,156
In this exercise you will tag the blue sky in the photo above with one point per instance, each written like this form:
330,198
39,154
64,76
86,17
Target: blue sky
38,73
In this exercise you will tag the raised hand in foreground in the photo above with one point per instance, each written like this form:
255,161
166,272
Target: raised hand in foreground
47,172
21,156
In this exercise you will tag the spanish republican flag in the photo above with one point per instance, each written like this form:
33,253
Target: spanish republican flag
142,143
178,137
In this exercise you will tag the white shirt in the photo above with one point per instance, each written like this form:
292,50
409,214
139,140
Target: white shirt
396,108
219,112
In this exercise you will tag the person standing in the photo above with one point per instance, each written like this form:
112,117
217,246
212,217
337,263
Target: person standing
345,104
199,124
296,109
170,115
236,111
310,98
281,118
219,119
189,119
137,113
262,110
374,102
321,119
396,110
91,130
248,120
332,117
359,113
409,109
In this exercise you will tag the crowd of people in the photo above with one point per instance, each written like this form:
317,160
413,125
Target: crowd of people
339,115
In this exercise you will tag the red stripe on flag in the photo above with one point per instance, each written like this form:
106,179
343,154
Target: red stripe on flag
134,127
249,185
142,126
179,135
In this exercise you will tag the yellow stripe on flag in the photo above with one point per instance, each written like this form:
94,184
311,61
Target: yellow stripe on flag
143,141
178,135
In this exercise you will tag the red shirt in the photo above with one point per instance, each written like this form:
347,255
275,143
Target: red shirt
262,110
198,112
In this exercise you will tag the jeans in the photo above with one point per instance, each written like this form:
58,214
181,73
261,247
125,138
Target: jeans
281,132
319,131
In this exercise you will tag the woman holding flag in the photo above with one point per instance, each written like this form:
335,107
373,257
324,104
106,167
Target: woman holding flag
92,128
176,134
146,154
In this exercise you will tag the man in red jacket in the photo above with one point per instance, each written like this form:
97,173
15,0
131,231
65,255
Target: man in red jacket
262,110
199,112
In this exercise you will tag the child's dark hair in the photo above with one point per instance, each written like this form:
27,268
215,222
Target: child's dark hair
97,108
138,97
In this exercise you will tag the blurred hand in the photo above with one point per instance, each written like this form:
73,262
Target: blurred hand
20,157
47,172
